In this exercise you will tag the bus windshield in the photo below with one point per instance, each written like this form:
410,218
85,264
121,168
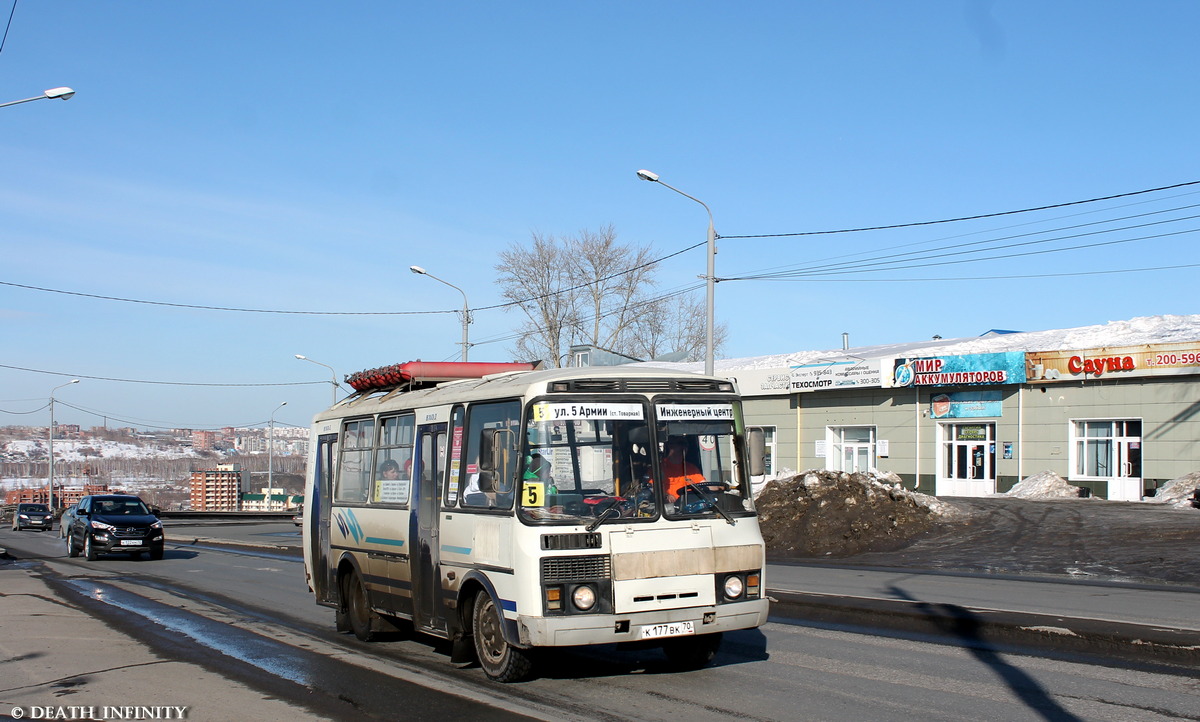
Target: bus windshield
585,461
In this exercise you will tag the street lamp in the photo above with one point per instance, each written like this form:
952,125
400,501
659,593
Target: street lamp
333,378
61,93
710,279
271,453
466,312
50,474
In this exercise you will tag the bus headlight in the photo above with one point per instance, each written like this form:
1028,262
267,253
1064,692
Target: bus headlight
584,597
733,586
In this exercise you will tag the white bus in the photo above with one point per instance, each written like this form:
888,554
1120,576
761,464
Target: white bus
506,509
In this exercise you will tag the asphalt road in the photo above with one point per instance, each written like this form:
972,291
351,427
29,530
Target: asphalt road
246,614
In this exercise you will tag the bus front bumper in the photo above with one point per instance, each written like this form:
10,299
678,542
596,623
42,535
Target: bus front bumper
581,629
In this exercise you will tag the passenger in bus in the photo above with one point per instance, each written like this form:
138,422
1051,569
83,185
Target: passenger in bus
487,496
537,469
677,470
389,470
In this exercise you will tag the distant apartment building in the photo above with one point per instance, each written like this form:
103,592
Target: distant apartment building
218,489
204,440
63,496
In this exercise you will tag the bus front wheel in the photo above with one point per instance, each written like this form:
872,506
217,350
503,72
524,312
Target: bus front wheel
692,652
500,661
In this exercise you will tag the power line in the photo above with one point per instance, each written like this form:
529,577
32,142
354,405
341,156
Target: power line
971,278
972,260
220,308
8,26
813,265
968,218
160,383
146,425
865,265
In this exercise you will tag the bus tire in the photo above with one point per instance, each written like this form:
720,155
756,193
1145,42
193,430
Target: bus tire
500,660
687,653
358,608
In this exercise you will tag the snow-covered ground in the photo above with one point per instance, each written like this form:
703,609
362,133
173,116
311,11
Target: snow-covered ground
69,450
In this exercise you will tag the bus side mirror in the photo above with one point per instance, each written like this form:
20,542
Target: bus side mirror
487,450
756,450
496,447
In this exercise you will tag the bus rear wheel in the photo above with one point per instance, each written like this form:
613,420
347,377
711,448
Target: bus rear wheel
358,607
500,660
692,652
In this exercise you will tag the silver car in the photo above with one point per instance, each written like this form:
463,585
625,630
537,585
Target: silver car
64,521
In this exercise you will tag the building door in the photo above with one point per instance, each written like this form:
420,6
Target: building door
967,462
423,525
853,448
1109,451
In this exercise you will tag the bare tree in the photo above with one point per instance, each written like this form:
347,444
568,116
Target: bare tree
590,289
674,325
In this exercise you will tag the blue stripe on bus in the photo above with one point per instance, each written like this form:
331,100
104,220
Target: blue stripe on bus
508,605
389,542
456,550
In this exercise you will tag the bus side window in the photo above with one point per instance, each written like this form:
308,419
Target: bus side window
354,471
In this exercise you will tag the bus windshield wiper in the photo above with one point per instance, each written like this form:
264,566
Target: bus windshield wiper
604,516
712,503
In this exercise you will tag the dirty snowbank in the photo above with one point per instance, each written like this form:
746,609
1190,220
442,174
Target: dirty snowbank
1178,492
1044,485
832,513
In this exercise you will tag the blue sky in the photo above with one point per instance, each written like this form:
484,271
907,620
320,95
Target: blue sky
300,156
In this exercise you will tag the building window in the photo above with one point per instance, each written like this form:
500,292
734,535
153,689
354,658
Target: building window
756,482
852,448
1106,449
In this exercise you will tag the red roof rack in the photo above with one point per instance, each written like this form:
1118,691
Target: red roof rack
427,373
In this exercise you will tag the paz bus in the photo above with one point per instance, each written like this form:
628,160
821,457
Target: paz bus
507,508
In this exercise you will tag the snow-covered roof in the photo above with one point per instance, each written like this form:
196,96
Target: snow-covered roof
1144,330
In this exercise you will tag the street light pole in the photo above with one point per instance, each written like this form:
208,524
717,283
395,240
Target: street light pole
271,453
710,279
466,312
60,93
50,473
333,377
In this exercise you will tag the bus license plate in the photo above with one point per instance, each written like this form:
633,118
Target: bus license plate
131,542
674,629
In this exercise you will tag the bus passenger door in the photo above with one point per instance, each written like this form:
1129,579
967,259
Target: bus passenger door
423,526
316,516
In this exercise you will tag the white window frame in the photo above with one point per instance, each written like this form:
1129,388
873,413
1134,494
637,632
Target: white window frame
835,442
1117,442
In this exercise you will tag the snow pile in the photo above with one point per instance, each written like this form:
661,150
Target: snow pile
1178,492
1044,485
834,513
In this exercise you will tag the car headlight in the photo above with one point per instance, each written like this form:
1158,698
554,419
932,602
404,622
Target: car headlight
584,597
733,586
156,525
22,516
101,525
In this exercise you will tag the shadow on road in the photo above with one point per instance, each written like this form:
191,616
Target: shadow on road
965,625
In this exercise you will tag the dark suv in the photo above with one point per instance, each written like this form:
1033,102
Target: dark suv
114,523
32,516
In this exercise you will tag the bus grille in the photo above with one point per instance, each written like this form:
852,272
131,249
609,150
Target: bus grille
569,569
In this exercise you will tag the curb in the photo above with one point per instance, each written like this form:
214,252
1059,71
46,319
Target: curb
235,543
1156,646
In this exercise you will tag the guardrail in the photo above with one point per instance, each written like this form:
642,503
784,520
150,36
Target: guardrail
229,515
